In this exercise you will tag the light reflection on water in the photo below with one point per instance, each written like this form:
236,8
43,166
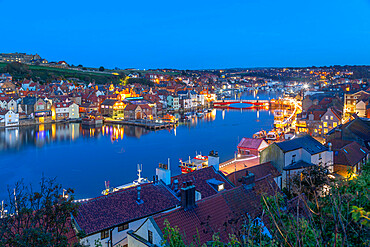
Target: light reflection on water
83,158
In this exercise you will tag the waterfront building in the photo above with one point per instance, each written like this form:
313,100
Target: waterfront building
73,110
60,111
135,112
291,157
252,146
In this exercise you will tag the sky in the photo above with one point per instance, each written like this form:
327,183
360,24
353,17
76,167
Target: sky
190,34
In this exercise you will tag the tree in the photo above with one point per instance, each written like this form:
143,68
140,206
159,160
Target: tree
37,218
101,68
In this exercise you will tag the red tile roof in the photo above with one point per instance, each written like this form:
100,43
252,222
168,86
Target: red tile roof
199,179
215,214
350,154
250,143
119,207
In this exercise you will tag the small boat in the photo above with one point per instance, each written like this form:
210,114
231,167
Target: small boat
136,182
197,163
272,136
200,114
260,134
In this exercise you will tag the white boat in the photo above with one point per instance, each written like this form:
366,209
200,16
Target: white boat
136,182
200,114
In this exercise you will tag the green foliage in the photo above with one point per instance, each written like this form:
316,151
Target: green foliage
37,218
171,236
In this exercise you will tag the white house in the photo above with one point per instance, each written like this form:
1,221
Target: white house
186,103
11,118
12,105
173,102
74,111
291,157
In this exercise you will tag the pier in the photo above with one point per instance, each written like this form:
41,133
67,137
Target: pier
147,124
224,103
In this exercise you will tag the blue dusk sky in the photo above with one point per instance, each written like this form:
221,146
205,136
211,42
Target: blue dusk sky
189,34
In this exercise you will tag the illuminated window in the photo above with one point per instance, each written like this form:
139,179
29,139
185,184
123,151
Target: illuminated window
326,117
331,117
334,124
325,124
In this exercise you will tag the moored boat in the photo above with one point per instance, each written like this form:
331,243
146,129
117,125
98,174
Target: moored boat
197,163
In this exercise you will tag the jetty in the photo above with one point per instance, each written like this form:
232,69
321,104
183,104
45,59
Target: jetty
147,124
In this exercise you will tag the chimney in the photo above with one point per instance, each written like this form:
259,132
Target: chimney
138,200
248,180
188,195
214,160
163,173
330,146
176,185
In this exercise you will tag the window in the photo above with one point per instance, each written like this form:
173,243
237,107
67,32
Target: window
334,124
104,234
123,227
326,117
331,117
150,236
325,124
320,157
293,158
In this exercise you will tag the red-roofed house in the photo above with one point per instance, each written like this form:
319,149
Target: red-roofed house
108,218
251,146
215,214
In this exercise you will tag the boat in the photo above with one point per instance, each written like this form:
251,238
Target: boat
136,182
191,165
200,114
259,135
92,121
272,136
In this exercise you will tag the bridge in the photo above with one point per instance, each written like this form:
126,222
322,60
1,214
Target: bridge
230,102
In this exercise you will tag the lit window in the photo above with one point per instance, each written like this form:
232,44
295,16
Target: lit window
331,117
334,124
325,124
326,117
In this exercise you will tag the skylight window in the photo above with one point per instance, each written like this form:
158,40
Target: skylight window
345,150
363,151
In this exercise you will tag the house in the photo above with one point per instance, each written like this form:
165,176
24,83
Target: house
186,103
42,110
356,130
11,118
251,146
348,156
73,111
60,111
290,157
134,112
113,108
28,105
173,102
330,120
199,220
260,171
356,103
107,219
5,77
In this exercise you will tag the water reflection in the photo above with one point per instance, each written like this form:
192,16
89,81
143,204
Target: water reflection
45,134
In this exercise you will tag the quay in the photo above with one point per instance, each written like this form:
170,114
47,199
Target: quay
147,124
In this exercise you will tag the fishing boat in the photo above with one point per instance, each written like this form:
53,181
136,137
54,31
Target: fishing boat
136,182
197,163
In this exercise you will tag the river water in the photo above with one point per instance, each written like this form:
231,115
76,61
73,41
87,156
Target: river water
83,159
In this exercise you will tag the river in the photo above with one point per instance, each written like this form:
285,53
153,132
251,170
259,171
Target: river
83,159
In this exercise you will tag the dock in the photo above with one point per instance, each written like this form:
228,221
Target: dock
147,124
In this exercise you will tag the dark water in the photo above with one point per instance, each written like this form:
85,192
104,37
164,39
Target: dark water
84,158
